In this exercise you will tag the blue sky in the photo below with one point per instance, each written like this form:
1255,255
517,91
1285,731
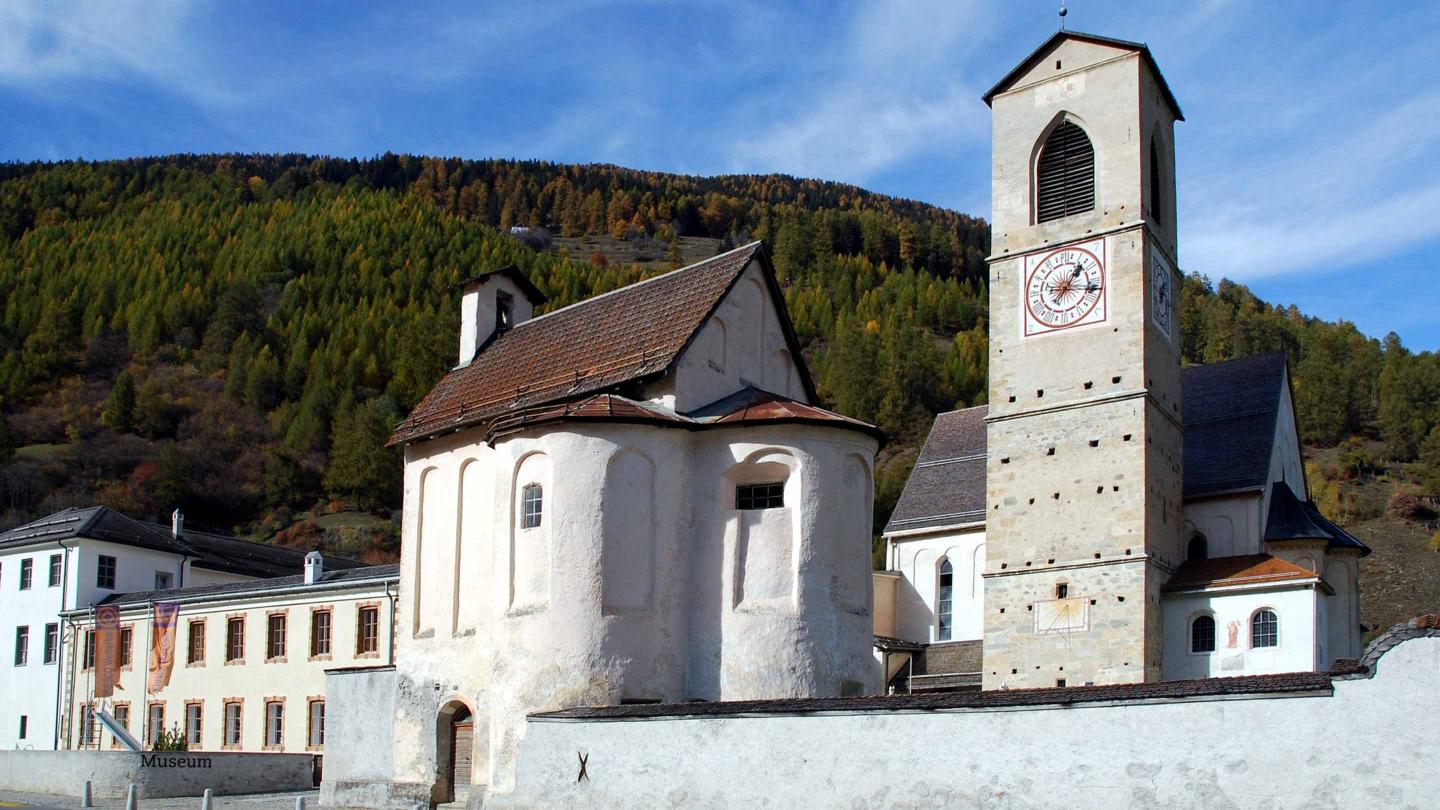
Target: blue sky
1306,166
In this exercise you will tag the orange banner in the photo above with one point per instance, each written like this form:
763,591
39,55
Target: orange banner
107,650
162,644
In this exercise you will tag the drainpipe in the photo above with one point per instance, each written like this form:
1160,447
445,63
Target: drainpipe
60,645
391,599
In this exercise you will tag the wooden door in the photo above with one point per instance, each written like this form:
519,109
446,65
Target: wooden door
463,751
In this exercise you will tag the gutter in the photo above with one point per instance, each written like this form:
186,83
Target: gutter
60,645
229,595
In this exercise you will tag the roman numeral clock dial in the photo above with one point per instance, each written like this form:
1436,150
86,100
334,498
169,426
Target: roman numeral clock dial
1064,288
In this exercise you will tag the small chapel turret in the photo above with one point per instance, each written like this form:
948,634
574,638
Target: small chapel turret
1084,426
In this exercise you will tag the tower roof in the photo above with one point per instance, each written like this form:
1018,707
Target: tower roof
1062,36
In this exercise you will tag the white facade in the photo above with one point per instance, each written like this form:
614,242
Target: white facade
208,679
921,557
32,690
1300,615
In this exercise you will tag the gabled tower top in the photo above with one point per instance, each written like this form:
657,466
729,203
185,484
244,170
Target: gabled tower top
1025,73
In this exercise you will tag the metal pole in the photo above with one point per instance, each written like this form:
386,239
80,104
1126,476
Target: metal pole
299,803
132,797
85,799
205,800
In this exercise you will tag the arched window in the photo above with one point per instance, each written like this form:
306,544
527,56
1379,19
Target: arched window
1202,634
1198,549
1065,174
533,501
944,612
1264,629
1155,200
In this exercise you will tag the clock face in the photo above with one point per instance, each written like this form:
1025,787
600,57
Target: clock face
1162,294
1065,288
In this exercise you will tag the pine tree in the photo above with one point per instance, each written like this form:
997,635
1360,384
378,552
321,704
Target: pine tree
362,470
119,413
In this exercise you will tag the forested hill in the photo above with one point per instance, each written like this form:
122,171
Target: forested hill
236,334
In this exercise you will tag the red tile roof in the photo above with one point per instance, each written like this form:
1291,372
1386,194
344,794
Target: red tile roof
1248,569
748,407
633,333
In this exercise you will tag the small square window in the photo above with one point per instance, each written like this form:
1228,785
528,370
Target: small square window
163,579
1062,591
533,503
760,496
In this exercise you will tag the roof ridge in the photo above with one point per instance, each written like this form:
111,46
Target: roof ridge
641,282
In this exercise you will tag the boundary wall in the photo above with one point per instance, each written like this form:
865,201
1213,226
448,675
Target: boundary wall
1361,737
158,774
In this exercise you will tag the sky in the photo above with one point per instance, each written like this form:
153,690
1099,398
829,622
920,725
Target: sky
1305,165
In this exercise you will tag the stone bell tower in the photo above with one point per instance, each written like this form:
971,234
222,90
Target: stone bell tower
1084,429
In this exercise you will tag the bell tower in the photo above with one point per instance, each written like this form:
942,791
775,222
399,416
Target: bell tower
1083,476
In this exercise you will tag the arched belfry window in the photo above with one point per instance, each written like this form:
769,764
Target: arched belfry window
1156,201
1065,174
944,602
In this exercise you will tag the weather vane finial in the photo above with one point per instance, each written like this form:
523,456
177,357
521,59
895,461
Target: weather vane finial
1063,12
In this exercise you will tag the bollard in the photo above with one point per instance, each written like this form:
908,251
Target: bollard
205,800
85,800
132,797
299,803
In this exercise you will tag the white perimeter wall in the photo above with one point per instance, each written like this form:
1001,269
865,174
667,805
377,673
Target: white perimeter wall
1369,745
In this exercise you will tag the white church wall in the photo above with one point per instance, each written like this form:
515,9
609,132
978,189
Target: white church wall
643,582
742,344
1296,609
1342,608
1231,526
1363,745
918,559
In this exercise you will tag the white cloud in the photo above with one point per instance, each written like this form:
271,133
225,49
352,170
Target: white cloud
41,43
893,90
1349,185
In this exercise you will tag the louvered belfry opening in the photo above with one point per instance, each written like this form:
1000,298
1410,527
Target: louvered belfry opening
1065,178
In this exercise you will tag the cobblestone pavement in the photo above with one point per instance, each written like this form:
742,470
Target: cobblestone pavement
259,801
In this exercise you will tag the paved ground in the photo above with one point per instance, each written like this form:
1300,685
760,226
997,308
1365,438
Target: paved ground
266,801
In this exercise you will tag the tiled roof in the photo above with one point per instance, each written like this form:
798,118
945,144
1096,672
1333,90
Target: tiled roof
329,579
947,486
1231,410
1293,519
210,551
750,406
630,334
1296,682
1245,569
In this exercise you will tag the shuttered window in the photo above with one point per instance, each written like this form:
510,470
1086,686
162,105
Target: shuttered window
1065,177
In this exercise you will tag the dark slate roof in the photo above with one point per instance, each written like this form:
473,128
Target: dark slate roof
1231,411
1293,519
632,334
210,551
329,579
1040,53
947,486
1230,414
1296,682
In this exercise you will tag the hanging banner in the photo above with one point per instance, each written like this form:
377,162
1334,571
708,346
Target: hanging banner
107,650
162,644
